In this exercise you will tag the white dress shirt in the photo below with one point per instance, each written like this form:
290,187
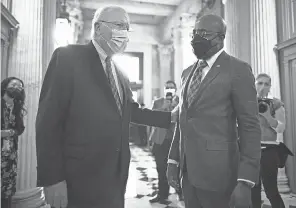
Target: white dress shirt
210,63
103,57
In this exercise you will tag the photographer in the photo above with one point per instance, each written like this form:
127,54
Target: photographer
272,121
161,141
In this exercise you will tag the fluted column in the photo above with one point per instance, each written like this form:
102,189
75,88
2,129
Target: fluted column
29,54
263,56
232,42
165,53
49,22
183,55
178,54
237,18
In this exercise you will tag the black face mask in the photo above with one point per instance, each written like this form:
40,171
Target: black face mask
201,46
14,93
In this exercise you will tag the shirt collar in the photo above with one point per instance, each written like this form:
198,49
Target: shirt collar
212,60
100,51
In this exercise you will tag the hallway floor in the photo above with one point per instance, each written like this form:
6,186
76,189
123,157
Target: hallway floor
142,184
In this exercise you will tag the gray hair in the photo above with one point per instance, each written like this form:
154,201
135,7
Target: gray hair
99,15
95,20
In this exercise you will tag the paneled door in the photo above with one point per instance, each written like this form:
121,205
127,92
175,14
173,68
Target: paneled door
287,59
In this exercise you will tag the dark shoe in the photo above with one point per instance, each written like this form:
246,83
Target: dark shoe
158,199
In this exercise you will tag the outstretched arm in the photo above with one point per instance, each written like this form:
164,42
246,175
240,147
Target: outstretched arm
149,117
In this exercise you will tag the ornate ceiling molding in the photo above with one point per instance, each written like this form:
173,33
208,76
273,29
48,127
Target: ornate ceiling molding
5,14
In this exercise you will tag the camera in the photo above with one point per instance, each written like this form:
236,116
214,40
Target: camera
263,104
169,96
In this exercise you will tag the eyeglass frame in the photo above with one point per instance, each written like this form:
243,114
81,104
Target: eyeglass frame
205,33
118,24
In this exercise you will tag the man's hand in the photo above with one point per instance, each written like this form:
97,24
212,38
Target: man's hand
56,195
267,113
241,196
175,115
173,176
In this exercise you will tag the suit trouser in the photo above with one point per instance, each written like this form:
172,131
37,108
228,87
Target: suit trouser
199,198
268,176
160,152
143,135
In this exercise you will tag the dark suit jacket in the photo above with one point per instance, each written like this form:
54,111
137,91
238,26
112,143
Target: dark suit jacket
207,132
80,135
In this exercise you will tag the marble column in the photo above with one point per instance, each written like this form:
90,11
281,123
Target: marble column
178,54
183,55
29,53
165,53
49,20
263,56
231,18
237,17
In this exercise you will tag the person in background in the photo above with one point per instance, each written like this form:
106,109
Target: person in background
143,132
161,139
272,120
12,126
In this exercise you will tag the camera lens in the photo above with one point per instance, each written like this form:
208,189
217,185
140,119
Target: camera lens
262,107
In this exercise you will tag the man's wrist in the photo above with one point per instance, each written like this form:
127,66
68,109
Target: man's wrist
170,161
246,183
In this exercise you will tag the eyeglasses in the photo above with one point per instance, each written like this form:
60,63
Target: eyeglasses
120,25
203,33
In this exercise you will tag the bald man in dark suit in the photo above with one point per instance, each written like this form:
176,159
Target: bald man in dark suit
218,107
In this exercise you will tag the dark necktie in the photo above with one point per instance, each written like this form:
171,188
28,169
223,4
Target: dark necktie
112,83
195,81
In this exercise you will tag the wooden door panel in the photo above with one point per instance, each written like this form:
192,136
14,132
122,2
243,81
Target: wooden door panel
287,52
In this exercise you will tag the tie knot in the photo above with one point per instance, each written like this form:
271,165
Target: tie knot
202,63
108,59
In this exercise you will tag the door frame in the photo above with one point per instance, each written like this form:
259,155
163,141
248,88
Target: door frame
287,57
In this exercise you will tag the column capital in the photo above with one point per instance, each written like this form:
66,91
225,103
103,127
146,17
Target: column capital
165,49
184,26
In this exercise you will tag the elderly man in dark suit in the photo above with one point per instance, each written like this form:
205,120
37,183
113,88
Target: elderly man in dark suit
218,105
82,125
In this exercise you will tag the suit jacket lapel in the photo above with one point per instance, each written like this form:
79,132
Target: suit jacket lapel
185,85
99,75
211,75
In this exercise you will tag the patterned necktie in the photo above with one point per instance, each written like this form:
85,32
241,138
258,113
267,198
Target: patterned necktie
195,81
112,83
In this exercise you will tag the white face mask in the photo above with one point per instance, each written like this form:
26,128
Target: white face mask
170,91
118,41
